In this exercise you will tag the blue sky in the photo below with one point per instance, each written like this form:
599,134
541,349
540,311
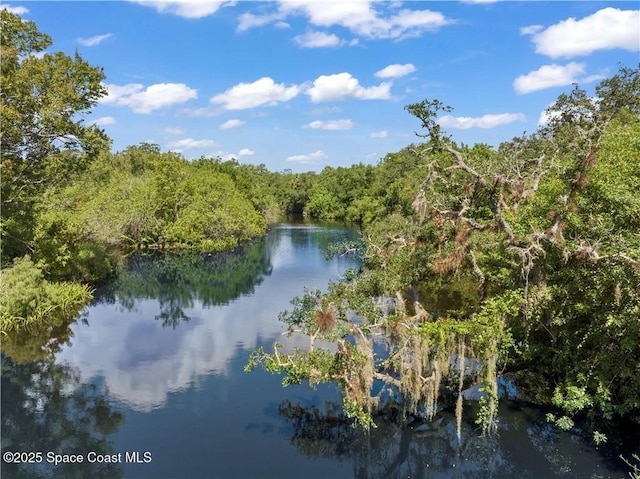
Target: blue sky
306,84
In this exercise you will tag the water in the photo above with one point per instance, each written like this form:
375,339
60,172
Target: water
151,385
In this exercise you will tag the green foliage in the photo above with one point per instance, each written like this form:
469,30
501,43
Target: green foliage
27,300
524,257
44,140
65,251
141,198
608,205
315,366
292,190
255,183
341,193
571,398
486,414
212,209
359,193
354,410
588,338
323,204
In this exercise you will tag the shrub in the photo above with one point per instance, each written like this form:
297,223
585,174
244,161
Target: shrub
29,301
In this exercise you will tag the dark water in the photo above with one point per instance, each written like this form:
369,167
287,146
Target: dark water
152,380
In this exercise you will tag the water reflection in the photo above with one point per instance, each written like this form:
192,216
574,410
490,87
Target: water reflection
526,446
40,342
215,305
46,407
165,346
179,280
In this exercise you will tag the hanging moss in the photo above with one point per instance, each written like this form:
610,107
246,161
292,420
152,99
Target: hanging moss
501,244
461,359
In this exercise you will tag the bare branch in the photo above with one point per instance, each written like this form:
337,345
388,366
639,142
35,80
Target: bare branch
387,379
462,165
476,269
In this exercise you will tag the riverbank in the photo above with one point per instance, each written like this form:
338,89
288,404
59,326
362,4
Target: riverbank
161,352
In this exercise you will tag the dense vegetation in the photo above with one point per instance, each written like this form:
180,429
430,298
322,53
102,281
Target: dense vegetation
522,259
72,209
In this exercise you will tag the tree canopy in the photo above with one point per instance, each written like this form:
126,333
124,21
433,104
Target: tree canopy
72,209
44,138
520,259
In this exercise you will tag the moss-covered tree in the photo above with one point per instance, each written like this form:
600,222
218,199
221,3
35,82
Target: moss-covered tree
520,258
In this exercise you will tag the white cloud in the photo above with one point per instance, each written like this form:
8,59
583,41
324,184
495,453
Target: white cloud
530,29
396,71
154,97
104,120
174,131
93,41
546,116
250,95
359,17
185,8
317,40
548,76
592,78
380,134
409,23
228,125
310,158
326,110
249,20
187,143
225,156
331,125
199,112
15,10
485,121
606,29
342,86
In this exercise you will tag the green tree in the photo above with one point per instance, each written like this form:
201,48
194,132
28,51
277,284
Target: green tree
141,198
523,258
341,193
44,139
293,190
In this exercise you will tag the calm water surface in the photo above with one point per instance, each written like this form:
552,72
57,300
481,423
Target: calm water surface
155,366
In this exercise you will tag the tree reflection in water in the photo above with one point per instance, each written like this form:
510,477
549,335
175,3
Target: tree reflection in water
46,408
178,280
41,341
525,445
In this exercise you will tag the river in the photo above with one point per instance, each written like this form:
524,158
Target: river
149,383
